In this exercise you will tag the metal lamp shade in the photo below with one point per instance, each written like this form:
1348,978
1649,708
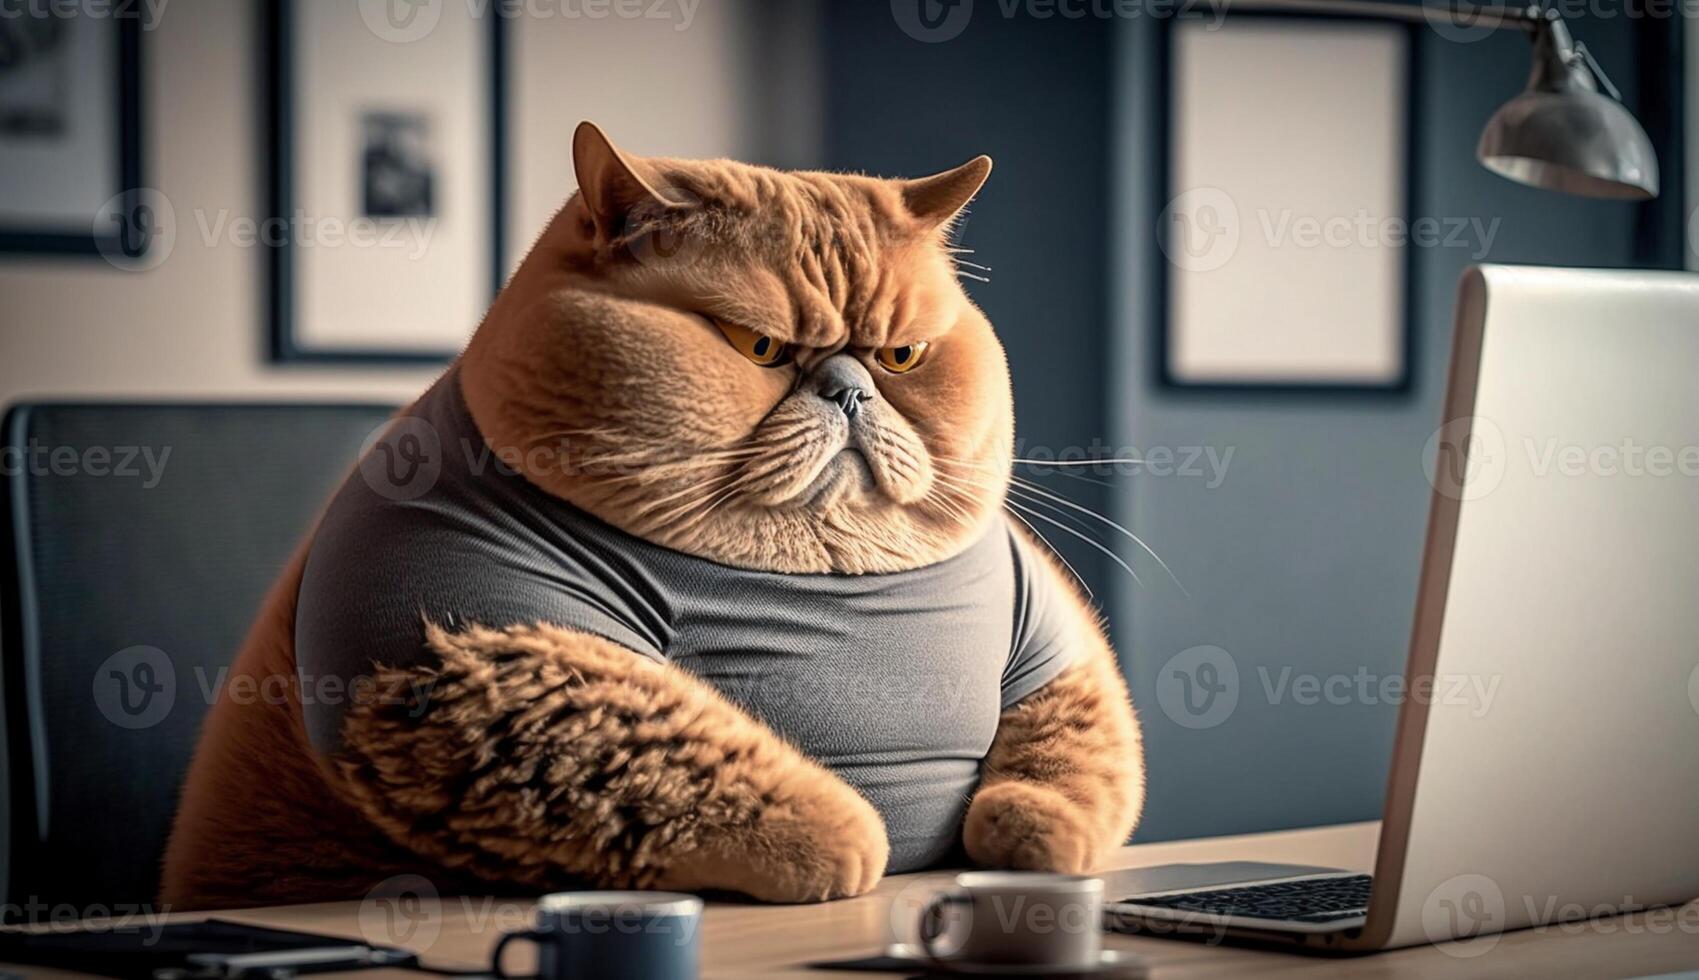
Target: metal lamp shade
1582,143
1563,134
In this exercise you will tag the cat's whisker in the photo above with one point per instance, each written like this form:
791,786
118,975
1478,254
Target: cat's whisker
609,433
717,495
1069,516
1030,488
637,480
727,493
1031,512
973,265
641,465
1104,461
647,455
962,484
652,474
1054,551
694,512
969,275
685,518
963,468
685,456
951,511
941,496
693,494
1031,496
1084,479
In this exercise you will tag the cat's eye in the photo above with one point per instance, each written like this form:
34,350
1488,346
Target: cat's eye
761,349
901,360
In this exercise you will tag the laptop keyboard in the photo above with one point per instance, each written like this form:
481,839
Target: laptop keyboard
1301,900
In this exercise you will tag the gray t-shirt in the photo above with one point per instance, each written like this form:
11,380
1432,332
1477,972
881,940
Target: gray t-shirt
893,681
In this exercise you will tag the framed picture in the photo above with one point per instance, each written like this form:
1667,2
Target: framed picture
1284,206
387,193
70,130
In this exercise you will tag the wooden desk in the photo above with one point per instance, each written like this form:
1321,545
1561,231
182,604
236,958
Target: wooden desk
756,942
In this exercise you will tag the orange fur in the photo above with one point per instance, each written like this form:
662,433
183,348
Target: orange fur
548,756
1063,783
258,823
599,369
541,757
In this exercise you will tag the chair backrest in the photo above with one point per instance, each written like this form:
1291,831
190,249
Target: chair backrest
138,541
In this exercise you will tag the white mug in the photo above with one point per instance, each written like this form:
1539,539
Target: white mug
1016,918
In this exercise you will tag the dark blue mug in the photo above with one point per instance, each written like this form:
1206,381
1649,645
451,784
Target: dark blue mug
613,935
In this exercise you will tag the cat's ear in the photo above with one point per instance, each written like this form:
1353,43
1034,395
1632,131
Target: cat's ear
613,184
938,198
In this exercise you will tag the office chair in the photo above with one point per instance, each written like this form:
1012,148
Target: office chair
136,545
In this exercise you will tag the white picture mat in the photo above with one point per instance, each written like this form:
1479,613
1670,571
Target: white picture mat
58,184
427,283
1302,124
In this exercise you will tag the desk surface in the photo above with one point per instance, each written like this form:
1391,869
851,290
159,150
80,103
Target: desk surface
753,942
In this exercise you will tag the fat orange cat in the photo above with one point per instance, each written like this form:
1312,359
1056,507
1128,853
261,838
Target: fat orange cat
691,572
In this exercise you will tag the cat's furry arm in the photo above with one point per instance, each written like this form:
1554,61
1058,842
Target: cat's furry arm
538,754
1063,783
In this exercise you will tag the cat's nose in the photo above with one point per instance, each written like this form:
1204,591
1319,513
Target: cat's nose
849,399
844,381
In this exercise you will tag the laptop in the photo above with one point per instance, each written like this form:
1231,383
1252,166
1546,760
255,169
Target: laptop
1561,567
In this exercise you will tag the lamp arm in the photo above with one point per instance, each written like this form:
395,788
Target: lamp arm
1598,70
1525,18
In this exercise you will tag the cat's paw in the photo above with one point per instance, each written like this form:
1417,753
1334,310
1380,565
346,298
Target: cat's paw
1028,827
821,842
825,842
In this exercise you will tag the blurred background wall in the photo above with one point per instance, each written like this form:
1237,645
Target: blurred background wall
194,326
1306,556
1300,553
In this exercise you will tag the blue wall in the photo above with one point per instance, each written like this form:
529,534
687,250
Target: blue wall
1305,555
1037,96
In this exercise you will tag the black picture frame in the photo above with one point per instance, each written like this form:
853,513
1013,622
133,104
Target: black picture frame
1162,191
126,163
278,42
